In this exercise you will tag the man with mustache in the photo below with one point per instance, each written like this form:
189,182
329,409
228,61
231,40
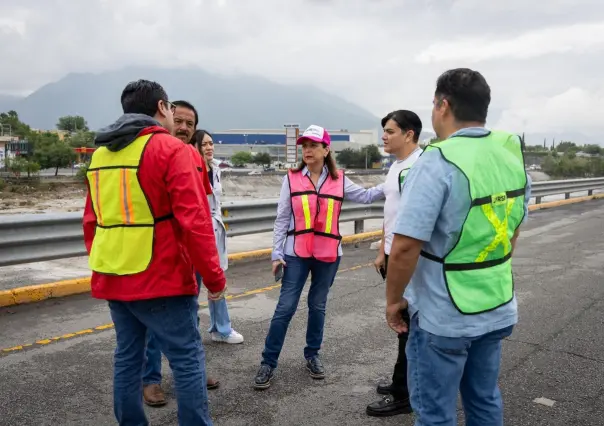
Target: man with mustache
186,119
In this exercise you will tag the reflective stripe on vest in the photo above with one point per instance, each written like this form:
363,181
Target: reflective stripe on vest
316,216
478,268
125,231
401,178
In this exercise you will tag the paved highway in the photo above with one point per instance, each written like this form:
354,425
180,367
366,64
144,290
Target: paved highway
554,353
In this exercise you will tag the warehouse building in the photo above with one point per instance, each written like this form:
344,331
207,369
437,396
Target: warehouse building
228,142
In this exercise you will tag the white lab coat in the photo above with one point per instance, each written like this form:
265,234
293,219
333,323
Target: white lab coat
215,208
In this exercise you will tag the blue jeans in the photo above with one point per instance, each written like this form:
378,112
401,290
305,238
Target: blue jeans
440,366
295,274
152,365
173,322
219,322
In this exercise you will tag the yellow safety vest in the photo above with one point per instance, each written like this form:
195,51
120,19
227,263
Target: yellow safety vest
125,230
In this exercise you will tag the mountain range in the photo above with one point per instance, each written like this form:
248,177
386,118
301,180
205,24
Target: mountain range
223,102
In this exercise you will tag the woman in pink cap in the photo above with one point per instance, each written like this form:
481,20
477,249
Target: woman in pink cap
307,241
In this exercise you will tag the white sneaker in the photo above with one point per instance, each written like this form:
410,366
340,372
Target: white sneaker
233,338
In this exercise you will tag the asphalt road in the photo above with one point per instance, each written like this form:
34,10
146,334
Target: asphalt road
556,351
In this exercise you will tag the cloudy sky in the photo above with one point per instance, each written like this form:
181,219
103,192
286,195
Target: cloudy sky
544,59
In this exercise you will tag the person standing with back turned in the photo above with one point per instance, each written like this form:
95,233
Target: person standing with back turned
461,208
147,225
401,136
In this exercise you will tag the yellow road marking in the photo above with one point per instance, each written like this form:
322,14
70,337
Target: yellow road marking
100,328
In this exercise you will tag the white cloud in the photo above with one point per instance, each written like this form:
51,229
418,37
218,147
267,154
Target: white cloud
572,39
12,26
382,55
574,108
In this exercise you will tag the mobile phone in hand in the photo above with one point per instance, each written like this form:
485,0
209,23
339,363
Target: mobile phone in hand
383,272
279,272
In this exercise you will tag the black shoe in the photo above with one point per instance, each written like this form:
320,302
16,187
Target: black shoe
389,406
384,387
315,367
263,377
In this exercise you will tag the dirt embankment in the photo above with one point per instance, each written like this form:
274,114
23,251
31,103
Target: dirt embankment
69,194
41,197
238,187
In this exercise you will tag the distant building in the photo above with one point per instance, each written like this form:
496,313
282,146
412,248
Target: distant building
60,133
586,155
228,142
11,147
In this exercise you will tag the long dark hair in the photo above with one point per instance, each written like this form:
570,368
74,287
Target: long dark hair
197,138
196,141
329,162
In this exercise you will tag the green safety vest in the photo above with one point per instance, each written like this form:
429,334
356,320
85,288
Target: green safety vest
401,178
478,268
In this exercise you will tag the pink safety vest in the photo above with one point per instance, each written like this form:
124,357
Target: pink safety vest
316,216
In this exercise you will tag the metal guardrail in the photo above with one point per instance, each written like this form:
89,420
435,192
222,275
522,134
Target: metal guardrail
39,237
244,218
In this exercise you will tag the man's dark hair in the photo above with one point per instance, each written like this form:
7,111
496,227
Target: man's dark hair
187,105
467,92
142,96
406,120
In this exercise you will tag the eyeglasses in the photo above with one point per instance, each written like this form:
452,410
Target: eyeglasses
171,106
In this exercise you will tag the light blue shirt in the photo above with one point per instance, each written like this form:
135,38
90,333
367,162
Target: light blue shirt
284,244
433,207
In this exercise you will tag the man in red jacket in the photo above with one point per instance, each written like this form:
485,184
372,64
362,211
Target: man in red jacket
147,227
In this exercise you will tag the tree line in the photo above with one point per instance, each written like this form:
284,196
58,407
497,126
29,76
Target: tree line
569,160
45,150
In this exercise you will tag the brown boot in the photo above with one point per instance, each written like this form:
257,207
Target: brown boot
213,383
153,395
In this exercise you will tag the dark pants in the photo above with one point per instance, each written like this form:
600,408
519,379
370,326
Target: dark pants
399,387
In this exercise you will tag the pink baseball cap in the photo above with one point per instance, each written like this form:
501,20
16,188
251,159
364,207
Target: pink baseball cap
316,134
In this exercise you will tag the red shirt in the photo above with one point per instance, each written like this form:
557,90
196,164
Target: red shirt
173,181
